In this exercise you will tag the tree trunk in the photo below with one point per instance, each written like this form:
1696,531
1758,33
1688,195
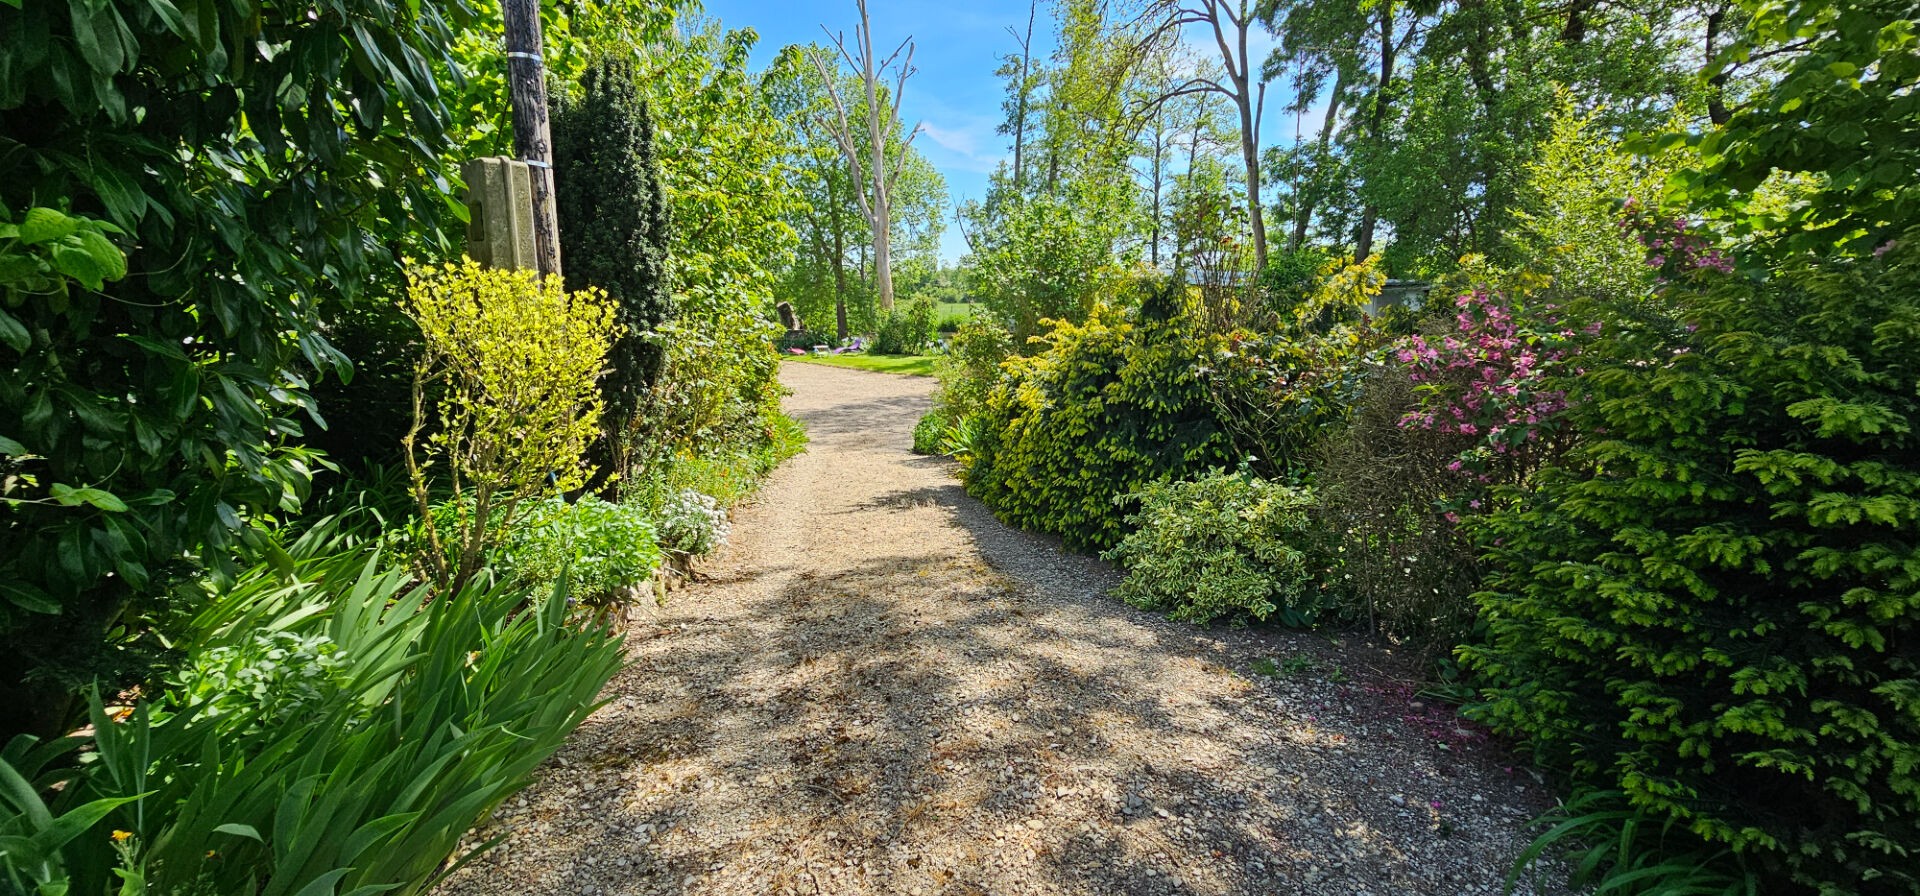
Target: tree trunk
1159,158
532,132
1250,139
882,210
1020,100
839,278
1370,214
1717,111
1303,216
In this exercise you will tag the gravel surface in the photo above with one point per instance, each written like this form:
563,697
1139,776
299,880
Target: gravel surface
880,689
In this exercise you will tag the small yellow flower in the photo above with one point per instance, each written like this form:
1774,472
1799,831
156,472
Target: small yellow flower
122,836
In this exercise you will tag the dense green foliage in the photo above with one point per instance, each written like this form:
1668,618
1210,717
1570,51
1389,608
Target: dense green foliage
908,329
1106,408
1845,109
614,227
598,549
335,731
1221,545
1712,604
317,135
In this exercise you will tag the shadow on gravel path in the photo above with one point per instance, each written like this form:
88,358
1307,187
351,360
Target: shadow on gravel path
880,689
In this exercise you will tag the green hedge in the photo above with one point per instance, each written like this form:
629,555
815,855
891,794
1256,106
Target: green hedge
1715,605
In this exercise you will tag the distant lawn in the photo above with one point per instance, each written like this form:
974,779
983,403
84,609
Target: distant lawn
911,365
962,310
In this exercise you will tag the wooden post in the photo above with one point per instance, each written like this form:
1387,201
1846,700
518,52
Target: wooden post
532,134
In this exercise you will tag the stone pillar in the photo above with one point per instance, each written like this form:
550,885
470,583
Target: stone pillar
500,226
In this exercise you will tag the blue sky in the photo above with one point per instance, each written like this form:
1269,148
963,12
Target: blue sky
954,94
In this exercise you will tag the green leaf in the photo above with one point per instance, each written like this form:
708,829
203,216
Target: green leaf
25,800
29,598
96,32
14,333
240,830
44,225
79,264
9,446
101,499
111,261
79,820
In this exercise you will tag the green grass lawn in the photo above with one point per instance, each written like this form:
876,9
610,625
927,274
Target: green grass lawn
911,365
962,310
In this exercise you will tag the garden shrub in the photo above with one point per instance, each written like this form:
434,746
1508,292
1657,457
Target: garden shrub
1106,408
1290,278
1279,392
337,728
929,433
599,548
1225,545
1384,490
906,330
516,359
970,368
256,173
1712,604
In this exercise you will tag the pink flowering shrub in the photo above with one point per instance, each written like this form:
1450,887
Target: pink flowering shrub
1489,380
1676,249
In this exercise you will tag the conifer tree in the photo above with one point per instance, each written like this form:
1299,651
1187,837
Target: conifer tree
614,224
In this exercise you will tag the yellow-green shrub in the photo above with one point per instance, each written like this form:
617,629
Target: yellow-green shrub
1224,545
1107,408
517,360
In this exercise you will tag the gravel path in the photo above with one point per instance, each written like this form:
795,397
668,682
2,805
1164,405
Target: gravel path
880,689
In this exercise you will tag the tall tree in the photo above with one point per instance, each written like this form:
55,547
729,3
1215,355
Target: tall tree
1022,87
875,204
1228,23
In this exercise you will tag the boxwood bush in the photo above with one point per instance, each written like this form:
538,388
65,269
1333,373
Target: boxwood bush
1714,604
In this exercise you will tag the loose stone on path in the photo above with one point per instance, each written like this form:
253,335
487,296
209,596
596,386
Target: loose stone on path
879,689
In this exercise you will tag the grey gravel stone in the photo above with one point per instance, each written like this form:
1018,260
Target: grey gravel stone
880,689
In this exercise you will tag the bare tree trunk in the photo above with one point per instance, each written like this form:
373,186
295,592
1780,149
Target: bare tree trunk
839,277
532,133
1020,100
877,205
1250,108
1230,20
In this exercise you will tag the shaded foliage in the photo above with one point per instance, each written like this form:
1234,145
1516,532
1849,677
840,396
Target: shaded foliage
317,135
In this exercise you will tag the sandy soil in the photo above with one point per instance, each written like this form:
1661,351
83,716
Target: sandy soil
880,689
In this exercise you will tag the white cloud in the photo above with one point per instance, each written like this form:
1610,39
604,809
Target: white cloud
968,147
958,141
